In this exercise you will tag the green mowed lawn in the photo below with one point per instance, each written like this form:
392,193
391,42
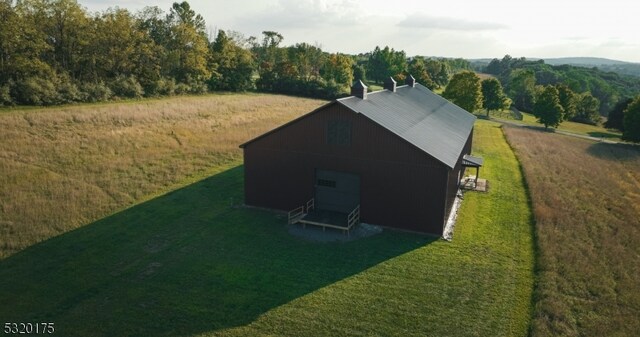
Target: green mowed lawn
582,129
192,262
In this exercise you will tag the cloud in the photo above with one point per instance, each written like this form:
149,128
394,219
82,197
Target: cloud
423,21
576,38
131,5
307,14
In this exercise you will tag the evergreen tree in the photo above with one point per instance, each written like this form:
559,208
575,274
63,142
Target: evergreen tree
616,116
359,72
493,67
181,13
632,121
386,62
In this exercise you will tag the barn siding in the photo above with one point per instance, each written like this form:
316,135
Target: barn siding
401,186
453,183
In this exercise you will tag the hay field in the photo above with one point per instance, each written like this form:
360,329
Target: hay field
586,202
61,168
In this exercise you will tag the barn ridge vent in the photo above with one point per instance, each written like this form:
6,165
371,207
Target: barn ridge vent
410,81
359,90
390,84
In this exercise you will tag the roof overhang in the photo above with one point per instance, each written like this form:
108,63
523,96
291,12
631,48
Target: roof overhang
471,161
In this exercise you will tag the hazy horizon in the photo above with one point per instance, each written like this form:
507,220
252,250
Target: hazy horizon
471,30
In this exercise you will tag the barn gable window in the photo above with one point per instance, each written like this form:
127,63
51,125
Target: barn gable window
339,132
326,183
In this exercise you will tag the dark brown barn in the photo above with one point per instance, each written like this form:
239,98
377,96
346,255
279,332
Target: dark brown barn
397,153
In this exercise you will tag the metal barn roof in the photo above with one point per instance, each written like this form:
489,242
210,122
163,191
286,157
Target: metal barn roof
424,119
471,161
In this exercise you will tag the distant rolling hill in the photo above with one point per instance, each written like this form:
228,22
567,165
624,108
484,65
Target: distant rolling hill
604,64
585,61
620,67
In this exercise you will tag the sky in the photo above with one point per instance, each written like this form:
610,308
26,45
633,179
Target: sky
447,28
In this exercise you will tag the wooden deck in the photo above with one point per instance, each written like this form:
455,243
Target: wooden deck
326,218
473,184
309,215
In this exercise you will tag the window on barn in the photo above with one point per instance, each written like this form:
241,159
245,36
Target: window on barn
339,132
326,183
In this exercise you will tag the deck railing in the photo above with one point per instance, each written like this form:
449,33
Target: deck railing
353,218
296,214
299,212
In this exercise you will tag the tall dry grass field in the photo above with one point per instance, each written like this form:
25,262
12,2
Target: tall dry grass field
586,199
61,168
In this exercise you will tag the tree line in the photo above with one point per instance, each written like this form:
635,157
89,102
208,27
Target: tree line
55,52
551,104
565,92
588,92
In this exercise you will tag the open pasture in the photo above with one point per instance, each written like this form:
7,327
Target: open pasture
64,167
126,220
586,201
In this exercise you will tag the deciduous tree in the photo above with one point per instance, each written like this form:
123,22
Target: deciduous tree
568,100
307,59
547,107
438,71
269,55
587,109
521,88
418,69
493,96
465,90
234,65
119,48
22,42
338,68
67,28
188,53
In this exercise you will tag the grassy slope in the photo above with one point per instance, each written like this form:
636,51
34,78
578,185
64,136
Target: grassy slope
569,126
587,208
189,262
65,167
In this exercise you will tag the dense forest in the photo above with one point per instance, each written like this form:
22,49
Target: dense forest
55,52
519,76
606,65
563,92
